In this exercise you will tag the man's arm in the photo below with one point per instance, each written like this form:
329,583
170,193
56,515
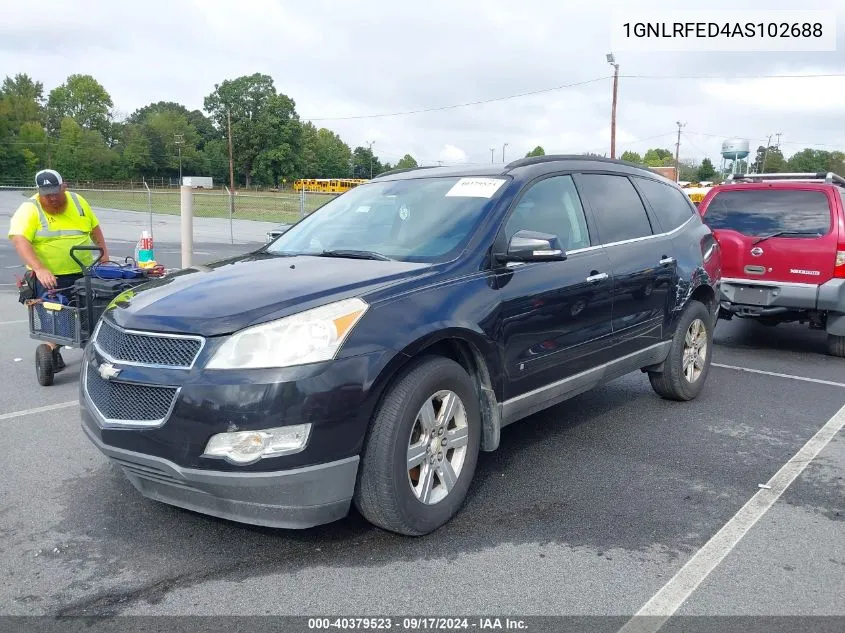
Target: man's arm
27,254
100,240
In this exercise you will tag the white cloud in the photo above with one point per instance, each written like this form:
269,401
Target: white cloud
452,154
787,95
335,61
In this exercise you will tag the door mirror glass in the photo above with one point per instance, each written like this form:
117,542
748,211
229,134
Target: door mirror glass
532,246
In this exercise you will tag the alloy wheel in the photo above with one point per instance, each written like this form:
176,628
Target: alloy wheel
437,447
695,350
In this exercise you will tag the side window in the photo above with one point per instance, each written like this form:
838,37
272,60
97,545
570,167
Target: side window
552,206
671,206
619,212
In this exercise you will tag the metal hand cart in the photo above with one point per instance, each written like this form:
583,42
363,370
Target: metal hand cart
59,318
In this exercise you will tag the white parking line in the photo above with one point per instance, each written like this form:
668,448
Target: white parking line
13,322
49,407
654,614
772,373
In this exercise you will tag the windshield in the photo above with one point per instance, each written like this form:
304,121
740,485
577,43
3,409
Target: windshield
419,220
760,212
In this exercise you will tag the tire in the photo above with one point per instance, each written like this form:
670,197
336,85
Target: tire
673,383
384,492
44,369
836,345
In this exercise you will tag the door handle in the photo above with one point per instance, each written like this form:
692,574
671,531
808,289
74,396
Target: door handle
597,277
667,260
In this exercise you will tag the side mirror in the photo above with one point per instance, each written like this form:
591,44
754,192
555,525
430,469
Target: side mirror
531,246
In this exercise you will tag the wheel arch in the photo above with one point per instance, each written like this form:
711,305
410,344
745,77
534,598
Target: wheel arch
470,350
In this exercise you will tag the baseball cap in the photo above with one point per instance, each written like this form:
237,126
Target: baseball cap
48,181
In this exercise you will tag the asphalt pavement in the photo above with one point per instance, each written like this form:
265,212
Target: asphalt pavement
591,508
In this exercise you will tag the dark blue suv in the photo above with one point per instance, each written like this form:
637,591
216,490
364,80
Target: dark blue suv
371,351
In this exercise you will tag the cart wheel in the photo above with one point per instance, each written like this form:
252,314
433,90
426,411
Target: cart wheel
44,368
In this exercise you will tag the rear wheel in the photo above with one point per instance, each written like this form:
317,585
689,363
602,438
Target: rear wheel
836,345
688,363
421,451
45,369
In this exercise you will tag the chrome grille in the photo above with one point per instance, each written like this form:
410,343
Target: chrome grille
128,402
146,349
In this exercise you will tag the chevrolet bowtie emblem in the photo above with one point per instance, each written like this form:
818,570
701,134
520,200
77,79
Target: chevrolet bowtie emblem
108,371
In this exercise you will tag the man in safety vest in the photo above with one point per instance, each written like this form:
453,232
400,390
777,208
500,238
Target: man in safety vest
43,230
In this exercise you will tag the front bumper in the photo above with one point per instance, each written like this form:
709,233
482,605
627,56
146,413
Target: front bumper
294,499
155,422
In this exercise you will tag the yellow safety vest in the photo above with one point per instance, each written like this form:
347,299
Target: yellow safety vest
52,246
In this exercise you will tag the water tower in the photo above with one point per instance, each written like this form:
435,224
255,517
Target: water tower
734,150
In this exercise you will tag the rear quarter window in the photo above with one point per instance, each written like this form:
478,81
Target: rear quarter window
671,206
760,212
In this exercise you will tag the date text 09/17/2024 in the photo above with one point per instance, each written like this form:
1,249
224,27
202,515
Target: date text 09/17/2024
418,624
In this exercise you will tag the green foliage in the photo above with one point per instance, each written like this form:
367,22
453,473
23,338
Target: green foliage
706,171
659,157
406,162
74,130
83,99
266,131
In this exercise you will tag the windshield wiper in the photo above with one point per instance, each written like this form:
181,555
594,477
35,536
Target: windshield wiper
765,237
354,254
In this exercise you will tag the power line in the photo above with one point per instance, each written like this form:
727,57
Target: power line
457,105
562,87
746,138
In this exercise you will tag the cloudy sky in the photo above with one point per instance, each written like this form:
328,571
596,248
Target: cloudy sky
343,62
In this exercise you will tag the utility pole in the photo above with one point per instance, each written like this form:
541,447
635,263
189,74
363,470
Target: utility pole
231,161
678,152
179,139
612,61
371,143
492,149
503,152
766,154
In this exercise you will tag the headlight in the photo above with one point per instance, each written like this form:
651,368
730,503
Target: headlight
244,447
308,337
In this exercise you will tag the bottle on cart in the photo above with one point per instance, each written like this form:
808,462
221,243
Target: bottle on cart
144,254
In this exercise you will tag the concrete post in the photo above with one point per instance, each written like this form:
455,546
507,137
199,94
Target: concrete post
187,213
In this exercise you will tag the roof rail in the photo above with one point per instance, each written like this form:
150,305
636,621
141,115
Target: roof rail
822,176
549,158
402,170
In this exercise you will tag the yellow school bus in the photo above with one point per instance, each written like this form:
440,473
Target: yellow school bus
327,185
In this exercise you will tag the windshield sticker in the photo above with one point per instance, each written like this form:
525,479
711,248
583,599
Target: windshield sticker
475,188
404,213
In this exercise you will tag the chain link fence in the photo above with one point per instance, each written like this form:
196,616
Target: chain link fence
220,215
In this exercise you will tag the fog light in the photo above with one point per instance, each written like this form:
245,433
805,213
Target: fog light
244,447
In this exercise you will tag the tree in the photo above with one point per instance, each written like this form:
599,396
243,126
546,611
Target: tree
687,170
658,157
537,151
25,100
362,157
406,162
266,131
632,157
706,171
773,158
816,160
82,154
83,99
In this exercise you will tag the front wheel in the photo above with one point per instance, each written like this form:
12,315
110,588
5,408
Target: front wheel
688,364
421,450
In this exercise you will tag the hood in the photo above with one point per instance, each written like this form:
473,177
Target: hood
229,295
